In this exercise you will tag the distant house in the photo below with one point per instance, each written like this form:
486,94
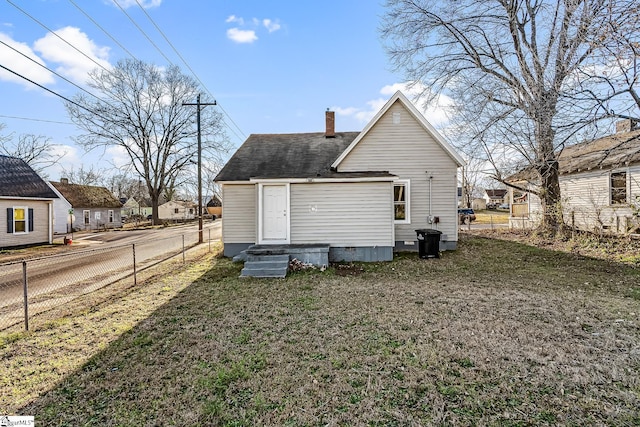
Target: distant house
26,205
133,207
88,207
495,197
599,183
214,207
177,211
363,194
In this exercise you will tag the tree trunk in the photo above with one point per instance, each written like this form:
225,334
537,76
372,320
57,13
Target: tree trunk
547,165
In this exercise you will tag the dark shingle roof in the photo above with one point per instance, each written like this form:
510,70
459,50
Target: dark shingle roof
610,152
17,179
87,196
295,155
496,193
617,150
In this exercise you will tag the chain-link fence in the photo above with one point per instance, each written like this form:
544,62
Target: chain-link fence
31,286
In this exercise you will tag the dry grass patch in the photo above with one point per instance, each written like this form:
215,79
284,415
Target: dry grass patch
496,333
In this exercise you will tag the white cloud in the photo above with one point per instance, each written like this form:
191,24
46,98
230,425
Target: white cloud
117,156
241,36
147,4
235,19
21,65
435,112
73,64
270,25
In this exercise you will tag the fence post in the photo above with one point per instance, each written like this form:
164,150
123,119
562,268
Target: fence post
491,219
209,232
183,256
135,271
26,295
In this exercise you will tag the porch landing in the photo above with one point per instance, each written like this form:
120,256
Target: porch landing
259,259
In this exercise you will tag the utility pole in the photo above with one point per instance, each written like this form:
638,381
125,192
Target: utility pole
199,104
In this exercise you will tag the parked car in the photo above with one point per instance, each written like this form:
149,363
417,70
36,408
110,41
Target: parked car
466,215
504,206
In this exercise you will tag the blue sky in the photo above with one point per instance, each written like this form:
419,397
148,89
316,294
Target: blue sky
273,66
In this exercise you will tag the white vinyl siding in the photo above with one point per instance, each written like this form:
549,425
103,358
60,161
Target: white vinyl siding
408,151
587,200
239,223
41,231
342,214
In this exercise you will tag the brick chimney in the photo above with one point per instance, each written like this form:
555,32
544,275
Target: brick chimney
64,180
330,119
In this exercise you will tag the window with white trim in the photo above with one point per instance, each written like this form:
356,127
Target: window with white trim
401,202
87,217
618,188
110,214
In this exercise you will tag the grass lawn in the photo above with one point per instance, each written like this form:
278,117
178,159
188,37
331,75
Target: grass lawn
495,333
492,216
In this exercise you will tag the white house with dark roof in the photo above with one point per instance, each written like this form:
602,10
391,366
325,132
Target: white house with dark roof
26,205
599,184
362,193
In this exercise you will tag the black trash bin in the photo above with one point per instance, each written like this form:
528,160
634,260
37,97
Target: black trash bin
428,243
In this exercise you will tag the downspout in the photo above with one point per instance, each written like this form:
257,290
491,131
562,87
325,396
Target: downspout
430,217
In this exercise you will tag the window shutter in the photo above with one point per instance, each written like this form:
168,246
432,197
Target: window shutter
30,219
9,220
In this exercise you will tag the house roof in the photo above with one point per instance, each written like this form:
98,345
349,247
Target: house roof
18,179
617,150
609,152
399,97
87,196
497,193
294,155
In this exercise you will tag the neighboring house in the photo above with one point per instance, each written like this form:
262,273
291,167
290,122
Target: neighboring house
177,211
214,207
495,197
479,204
91,207
132,207
599,184
363,193
26,205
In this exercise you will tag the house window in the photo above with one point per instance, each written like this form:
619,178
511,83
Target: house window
110,213
176,210
19,220
87,217
98,216
396,118
190,211
401,202
618,188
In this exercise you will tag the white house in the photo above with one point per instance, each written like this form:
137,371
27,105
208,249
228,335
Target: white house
177,211
362,193
599,184
26,205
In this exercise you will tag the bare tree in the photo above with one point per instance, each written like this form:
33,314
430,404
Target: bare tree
511,66
612,78
84,176
140,110
37,151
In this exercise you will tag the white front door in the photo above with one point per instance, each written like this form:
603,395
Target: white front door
274,214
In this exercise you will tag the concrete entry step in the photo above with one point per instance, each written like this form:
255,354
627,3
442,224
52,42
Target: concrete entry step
265,266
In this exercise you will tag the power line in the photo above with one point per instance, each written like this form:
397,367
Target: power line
51,91
142,31
190,69
103,30
58,36
49,69
35,120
